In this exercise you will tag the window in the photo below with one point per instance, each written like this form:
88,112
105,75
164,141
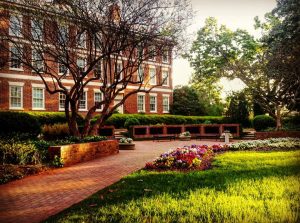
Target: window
15,26
152,72
37,29
119,71
97,41
63,33
166,104
37,61
165,56
16,54
98,99
140,77
151,53
16,96
153,103
62,69
165,78
81,42
141,103
62,101
83,101
81,64
38,98
98,69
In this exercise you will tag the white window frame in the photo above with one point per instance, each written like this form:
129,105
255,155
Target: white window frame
166,96
59,107
141,77
16,84
84,63
85,91
119,63
63,27
152,95
20,20
97,65
37,63
144,104
152,79
10,56
150,49
96,91
167,80
38,86
165,53
82,40
40,34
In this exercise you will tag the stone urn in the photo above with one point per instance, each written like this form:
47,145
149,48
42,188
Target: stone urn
126,146
185,136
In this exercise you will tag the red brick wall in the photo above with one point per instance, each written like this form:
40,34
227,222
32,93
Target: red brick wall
77,153
279,134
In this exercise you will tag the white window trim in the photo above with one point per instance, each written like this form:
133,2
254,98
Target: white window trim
152,80
154,57
68,72
167,96
168,78
59,108
79,41
41,38
144,104
168,60
39,86
16,84
98,91
121,73
10,53
32,62
86,102
21,21
153,95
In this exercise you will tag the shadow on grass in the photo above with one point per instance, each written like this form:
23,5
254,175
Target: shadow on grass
177,184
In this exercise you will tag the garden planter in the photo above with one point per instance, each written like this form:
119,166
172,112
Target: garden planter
126,146
76,153
185,138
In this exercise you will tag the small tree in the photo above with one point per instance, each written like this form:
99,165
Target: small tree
92,40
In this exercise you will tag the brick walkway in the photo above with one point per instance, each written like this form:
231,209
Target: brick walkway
35,198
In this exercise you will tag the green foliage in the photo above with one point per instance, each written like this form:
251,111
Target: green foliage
241,187
118,120
292,122
14,123
56,131
16,152
186,102
131,122
268,144
50,118
238,109
262,122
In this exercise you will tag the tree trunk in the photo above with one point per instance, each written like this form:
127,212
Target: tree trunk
72,122
278,118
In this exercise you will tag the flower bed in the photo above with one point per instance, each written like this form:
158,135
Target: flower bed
186,158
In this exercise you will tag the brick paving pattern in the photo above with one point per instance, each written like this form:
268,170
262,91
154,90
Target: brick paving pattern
35,198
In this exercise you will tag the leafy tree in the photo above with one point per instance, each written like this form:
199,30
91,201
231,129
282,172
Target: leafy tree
238,109
219,52
101,35
186,102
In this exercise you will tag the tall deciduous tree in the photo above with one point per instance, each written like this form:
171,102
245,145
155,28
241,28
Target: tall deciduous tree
219,52
92,40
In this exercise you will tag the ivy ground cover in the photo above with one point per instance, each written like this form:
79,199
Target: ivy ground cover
242,186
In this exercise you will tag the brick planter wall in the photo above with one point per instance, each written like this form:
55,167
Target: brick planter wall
76,153
279,134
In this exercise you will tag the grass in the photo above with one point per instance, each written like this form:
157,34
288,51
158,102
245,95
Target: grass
242,187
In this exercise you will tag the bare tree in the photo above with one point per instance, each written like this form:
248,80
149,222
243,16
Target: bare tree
92,40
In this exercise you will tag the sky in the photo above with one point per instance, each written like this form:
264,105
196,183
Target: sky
232,13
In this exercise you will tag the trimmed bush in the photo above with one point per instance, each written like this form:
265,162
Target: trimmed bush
56,131
50,118
131,122
18,123
262,122
118,120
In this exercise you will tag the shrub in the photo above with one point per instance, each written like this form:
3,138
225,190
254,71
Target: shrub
18,123
292,122
56,131
262,122
50,118
16,152
131,122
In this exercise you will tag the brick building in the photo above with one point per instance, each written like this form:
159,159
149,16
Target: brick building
22,90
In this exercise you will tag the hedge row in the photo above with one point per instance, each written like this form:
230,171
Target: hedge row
118,120
50,118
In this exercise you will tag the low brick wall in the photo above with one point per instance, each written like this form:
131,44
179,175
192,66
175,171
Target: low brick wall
76,153
278,134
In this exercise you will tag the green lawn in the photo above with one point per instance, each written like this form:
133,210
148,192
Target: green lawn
241,187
